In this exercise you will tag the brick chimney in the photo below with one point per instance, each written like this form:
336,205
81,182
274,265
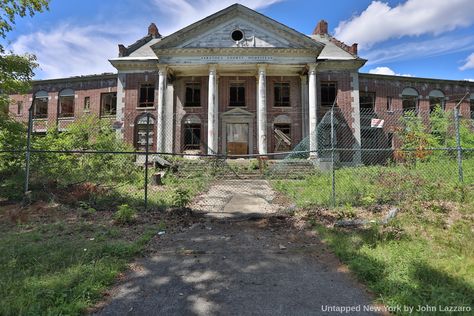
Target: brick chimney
122,50
321,28
353,49
153,31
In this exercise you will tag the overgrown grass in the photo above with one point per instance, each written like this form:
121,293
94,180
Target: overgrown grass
370,185
422,258
61,268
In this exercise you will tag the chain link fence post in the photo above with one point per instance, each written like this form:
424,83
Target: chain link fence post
458,143
147,142
28,150
333,171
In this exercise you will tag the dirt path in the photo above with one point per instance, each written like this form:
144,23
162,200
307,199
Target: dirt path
232,267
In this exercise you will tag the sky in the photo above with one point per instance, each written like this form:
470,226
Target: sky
420,38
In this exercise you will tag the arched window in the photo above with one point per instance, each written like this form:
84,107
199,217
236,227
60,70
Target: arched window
436,100
66,103
144,126
40,105
409,100
192,133
282,133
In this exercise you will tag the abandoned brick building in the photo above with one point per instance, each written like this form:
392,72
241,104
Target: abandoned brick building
236,82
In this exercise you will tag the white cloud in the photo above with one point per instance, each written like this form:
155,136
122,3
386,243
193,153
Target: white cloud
386,71
68,50
180,13
419,49
380,22
469,63
470,80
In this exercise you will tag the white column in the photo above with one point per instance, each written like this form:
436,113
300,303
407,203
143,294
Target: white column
355,105
160,126
212,112
262,110
304,106
313,118
120,115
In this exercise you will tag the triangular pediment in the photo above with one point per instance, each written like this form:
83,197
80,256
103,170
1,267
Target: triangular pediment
257,31
237,112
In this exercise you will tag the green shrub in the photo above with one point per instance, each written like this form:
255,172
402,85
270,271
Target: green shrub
125,214
181,197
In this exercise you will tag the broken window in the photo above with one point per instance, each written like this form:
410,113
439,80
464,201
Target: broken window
193,94
40,106
87,104
282,137
237,94
436,100
66,103
192,136
282,93
389,104
108,104
147,96
328,93
143,127
367,102
409,100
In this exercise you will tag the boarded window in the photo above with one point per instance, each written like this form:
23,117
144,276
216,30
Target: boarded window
143,127
108,104
282,134
328,93
193,94
282,93
237,95
40,106
147,96
192,136
367,102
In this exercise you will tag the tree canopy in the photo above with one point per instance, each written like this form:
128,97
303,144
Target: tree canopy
16,71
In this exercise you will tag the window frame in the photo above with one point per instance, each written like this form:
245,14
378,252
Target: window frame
149,101
87,104
363,94
328,84
138,128
66,99
45,101
237,103
19,108
471,108
389,104
193,103
192,127
102,98
280,102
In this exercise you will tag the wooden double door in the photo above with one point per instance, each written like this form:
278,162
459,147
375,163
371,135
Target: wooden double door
237,138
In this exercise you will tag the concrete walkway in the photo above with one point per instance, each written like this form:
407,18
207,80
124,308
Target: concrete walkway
237,198
226,267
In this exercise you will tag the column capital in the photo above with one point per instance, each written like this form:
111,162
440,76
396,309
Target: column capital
162,69
262,68
212,68
312,68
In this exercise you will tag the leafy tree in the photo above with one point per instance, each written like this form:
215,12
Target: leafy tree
16,71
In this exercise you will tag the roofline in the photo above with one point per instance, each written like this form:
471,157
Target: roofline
393,77
104,76
238,6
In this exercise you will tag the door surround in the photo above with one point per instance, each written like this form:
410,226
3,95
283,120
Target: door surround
237,116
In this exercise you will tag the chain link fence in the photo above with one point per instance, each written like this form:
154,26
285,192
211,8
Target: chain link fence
388,158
